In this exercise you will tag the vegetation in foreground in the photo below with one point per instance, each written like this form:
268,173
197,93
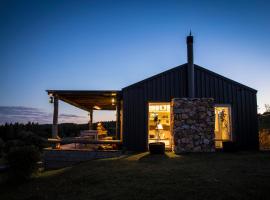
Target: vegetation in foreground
243,175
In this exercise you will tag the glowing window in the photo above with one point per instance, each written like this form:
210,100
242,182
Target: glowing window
223,126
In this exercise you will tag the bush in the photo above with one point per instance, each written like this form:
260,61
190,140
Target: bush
22,162
29,138
10,144
2,145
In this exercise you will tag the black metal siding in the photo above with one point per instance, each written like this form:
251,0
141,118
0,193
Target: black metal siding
242,100
173,84
160,88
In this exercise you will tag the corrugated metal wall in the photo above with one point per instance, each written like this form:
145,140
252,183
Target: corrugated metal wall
241,98
159,88
173,84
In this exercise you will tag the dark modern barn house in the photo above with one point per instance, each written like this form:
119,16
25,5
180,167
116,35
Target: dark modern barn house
188,108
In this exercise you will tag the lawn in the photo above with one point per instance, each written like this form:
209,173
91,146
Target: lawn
244,175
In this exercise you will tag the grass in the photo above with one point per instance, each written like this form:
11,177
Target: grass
243,175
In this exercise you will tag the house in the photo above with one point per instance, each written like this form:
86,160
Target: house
189,108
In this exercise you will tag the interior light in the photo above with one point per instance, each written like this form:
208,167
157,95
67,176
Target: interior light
97,107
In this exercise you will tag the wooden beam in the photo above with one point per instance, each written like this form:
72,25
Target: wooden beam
87,99
82,141
90,119
74,104
118,119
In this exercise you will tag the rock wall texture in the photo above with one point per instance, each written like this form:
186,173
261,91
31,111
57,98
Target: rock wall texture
264,138
193,125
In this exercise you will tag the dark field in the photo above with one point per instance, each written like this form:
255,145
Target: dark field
243,175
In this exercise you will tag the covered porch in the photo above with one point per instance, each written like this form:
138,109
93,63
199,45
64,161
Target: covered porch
87,100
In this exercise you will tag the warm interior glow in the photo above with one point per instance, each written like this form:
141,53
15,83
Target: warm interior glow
159,123
222,125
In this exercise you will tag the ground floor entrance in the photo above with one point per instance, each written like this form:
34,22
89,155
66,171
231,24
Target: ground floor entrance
159,123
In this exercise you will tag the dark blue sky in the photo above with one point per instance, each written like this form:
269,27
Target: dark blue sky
111,44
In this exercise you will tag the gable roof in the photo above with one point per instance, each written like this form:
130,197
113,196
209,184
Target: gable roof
155,76
196,67
224,78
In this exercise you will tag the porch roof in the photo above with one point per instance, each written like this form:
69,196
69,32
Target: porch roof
88,99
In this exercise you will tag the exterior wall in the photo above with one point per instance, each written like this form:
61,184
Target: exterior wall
160,88
173,84
193,125
243,103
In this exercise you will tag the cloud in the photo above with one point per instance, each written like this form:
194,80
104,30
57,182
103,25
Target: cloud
12,114
70,116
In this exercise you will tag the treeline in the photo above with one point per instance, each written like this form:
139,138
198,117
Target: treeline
12,131
25,142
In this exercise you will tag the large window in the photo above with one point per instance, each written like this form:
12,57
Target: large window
223,130
159,123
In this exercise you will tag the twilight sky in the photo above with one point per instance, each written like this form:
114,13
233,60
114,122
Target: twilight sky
109,44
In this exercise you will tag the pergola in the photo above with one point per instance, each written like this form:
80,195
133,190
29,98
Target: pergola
87,100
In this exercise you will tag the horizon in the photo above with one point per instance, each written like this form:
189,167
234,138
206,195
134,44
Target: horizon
87,45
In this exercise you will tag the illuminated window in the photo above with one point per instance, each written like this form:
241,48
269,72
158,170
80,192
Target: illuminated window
223,126
159,123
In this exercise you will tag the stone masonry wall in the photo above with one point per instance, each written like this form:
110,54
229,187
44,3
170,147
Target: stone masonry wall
193,125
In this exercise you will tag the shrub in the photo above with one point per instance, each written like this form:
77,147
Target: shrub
29,138
2,145
10,144
22,162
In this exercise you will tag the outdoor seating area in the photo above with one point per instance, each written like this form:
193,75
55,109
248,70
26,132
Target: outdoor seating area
92,143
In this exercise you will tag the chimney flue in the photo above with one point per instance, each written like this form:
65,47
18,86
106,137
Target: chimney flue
191,92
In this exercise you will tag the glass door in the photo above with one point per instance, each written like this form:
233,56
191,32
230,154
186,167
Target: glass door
159,123
223,126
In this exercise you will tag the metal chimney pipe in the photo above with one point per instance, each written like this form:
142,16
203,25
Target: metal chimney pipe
191,89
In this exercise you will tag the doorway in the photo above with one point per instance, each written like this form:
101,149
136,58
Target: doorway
159,122
223,126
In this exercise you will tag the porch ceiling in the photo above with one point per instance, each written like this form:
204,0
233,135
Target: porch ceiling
88,99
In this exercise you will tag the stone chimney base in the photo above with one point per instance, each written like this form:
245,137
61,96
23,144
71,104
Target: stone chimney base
192,127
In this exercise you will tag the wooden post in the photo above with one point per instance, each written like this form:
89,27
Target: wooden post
118,119
90,119
55,117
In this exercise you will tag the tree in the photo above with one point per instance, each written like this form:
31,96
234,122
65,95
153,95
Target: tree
2,145
267,108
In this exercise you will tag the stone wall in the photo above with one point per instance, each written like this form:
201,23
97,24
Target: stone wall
193,125
264,139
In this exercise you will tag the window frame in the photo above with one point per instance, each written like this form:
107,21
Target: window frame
160,102
230,121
